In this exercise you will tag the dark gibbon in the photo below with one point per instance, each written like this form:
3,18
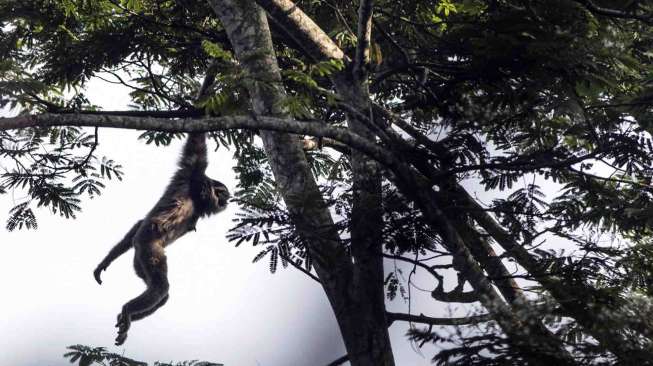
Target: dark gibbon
189,196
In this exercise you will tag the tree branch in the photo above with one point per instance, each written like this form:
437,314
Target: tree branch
570,298
315,42
310,144
339,361
456,295
613,13
182,113
422,319
300,268
417,263
474,319
205,124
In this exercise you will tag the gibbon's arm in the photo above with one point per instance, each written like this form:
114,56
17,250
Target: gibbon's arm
193,160
119,249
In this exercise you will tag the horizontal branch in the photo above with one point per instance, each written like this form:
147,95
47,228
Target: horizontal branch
186,113
417,263
204,124
474,319
456,295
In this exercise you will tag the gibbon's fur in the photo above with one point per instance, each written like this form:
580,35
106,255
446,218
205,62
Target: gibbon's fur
189,196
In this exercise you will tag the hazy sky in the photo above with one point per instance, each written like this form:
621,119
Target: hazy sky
222,308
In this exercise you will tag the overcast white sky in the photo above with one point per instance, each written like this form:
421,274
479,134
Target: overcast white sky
222,308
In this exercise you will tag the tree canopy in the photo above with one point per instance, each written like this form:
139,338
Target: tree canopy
375,119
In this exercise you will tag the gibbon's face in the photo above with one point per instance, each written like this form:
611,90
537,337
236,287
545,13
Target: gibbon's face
221,193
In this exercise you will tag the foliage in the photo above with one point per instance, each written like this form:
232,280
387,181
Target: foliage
545,105
88,356
47,164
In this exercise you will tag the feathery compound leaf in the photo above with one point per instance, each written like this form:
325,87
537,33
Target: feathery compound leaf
21,216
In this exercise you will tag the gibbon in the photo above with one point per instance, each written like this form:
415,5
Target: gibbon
189,196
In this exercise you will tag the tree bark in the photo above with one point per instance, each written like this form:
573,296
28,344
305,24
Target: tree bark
366,235
367,212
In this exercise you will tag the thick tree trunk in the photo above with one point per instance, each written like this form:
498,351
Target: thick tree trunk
367,238
373,341
354,291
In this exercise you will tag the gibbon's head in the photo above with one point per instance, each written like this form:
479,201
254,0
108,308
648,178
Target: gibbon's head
219,196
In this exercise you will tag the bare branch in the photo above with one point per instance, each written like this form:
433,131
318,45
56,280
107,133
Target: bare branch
417,263
457,295
339,361
474,319
300,268
302,29
309,144
182,113
205,124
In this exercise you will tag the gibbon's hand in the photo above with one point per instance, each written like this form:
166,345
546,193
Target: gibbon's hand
98,272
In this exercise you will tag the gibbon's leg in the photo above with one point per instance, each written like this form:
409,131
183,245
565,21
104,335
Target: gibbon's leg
141,273
154,265
149,312
119,249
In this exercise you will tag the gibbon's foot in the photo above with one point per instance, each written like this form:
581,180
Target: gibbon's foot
98,272
120,339
123,325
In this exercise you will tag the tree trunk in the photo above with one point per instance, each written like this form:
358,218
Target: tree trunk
355,292
367,238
